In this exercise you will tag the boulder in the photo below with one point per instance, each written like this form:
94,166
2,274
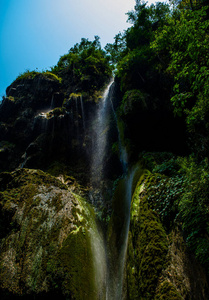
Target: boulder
45,238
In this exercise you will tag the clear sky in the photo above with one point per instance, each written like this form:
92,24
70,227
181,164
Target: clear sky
35,33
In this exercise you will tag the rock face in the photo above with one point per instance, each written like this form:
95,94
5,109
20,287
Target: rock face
41,123
18,111
45,238
50,238
159,265
38,126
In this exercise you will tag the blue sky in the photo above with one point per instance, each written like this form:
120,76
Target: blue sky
35,33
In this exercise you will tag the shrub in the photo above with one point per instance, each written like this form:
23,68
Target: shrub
133,100
28,75
52,76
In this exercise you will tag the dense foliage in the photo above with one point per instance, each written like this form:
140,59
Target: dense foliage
179,193
166,48
32,74
162,61
183,44
86,66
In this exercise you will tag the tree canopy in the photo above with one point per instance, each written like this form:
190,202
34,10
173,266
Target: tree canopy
167,49
85,65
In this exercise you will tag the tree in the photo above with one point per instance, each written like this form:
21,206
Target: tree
118,49
182,45
86,66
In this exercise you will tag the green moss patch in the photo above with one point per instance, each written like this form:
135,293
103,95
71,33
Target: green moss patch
32,74
75,258
147,247
167,291
45,242
22,177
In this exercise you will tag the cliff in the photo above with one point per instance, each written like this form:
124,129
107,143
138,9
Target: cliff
132,225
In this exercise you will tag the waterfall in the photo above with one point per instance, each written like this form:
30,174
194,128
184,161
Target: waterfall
99,262
110,258
118,239
99,142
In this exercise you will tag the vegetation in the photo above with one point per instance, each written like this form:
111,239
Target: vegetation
28,75
86,66
167,291
32,74
162,63
47,227
167,211
162,66
148,246
180,198
193,207
167,48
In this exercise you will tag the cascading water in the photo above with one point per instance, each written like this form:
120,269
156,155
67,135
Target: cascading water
116,242
99,130
99,141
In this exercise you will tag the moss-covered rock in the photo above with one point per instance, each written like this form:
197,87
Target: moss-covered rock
183,277
159,264
46,240
167,291
147,248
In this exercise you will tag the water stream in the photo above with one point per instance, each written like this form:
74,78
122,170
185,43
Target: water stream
100,129
116,240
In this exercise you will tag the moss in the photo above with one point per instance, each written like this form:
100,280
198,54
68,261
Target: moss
52,76
56,112
75,258
32,74
47,238
167,291
132,101
28,75
131,271
75,96
156,270
22,177
73,267
10,98
148,245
